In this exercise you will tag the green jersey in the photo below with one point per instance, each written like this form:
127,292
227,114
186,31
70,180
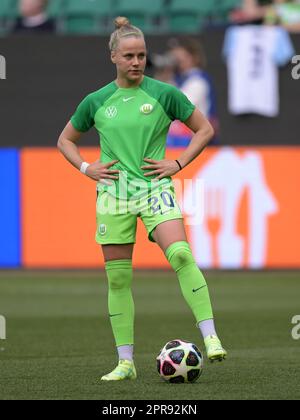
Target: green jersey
133,124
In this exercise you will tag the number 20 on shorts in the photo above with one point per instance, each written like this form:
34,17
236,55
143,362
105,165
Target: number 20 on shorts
162,203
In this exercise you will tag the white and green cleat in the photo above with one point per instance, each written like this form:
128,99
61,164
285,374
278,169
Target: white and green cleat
124,370
214,349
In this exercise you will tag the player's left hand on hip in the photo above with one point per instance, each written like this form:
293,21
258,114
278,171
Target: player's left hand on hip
161,168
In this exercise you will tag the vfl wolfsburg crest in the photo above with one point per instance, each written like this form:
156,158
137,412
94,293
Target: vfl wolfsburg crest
111,112
102,229
146,109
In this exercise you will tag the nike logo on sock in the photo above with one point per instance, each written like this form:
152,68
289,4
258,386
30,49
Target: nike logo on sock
196,290
114,315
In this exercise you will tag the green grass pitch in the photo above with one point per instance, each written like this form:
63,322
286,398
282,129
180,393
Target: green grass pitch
59,340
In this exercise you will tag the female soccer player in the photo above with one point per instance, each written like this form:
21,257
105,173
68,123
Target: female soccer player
132,115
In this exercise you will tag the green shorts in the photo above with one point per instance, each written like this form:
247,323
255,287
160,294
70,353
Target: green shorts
117,218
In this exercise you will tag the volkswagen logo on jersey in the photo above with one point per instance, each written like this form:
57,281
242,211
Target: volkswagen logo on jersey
146,109
111,112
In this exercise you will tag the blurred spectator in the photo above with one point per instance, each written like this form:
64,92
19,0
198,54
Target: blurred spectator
164,67
33,18
285,13
254,54
190,77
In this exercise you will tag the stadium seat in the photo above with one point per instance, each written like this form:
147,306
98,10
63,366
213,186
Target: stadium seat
8,13
224,7
189,15
229,4
86,16
8,8
148,16
55,8
55,11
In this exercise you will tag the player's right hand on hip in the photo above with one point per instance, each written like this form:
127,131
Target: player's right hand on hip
100,172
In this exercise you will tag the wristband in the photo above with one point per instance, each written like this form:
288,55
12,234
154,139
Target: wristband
84,167
178,164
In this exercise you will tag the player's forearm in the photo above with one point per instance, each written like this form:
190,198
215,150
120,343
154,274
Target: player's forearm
198,143
70,151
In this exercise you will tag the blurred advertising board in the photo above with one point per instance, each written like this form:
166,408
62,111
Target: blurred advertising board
241,207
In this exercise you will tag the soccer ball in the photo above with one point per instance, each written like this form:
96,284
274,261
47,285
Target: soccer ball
179,361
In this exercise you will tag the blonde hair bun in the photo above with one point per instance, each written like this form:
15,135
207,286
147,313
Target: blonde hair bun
121,21
123,29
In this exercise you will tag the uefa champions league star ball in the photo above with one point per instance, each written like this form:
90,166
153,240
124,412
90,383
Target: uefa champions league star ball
180,361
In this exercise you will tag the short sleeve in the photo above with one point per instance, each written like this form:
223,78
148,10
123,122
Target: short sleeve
180,108
284,49
229,42
83,118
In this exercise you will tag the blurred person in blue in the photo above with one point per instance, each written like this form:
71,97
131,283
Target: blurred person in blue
33,18
254,53
188,58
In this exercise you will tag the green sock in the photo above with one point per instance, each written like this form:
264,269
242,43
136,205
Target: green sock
120,301
192,282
